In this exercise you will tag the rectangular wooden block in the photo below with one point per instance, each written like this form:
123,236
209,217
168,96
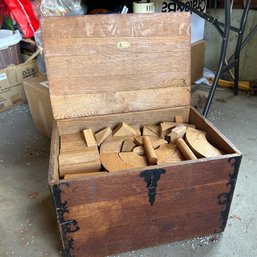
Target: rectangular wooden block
89,137
79,156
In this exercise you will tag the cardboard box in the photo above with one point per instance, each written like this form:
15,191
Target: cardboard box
37,93
133,68
197,23
197,60
11,83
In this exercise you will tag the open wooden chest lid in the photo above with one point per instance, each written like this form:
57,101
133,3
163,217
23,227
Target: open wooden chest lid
104,64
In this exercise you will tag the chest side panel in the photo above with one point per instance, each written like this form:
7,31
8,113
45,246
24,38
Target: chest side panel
113,213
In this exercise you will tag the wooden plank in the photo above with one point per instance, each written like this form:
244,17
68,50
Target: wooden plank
98,70
107,103
97,123
111,25
118,65
130,222
79,85
214,136
65,46
200,172
83,175
53,174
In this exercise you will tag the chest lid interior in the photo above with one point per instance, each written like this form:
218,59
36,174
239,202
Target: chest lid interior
106,64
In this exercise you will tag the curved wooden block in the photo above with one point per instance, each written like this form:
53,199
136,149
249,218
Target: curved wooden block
133,159
112,162
113,144
155,141
196,139
168,153
139,150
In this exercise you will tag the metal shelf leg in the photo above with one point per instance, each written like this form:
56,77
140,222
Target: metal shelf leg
223,52
239,44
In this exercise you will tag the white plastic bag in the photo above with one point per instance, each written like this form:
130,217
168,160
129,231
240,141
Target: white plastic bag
62,8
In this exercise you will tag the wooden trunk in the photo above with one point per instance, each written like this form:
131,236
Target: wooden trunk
107,69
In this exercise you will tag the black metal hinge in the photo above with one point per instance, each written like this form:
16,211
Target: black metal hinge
226,198
151,177
67,226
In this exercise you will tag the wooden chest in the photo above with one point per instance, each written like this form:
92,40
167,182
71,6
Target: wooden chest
107,69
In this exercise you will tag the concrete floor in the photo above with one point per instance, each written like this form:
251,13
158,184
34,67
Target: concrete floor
27,219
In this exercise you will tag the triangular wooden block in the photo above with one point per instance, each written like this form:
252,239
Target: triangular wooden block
127,146
151,130
123,130
136,128
165,127
102,135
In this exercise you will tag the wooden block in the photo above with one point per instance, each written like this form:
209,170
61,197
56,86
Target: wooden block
165,128
123,130
179,119
79,156
72,141
136,127
197,141
139,150
151,130
149,150
155,141
185,150
168,153
102,135
177,132
127,146
89,137
85,174
114,144
112,162
90,166
133,159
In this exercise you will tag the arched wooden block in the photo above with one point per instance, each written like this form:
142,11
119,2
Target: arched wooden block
196,139
168,153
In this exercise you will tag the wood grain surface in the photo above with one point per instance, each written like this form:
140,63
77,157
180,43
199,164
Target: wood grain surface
69,126
122,219
115,64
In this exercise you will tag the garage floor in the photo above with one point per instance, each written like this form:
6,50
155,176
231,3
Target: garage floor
27,219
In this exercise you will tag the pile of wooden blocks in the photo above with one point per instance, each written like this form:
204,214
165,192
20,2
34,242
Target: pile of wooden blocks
127,147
